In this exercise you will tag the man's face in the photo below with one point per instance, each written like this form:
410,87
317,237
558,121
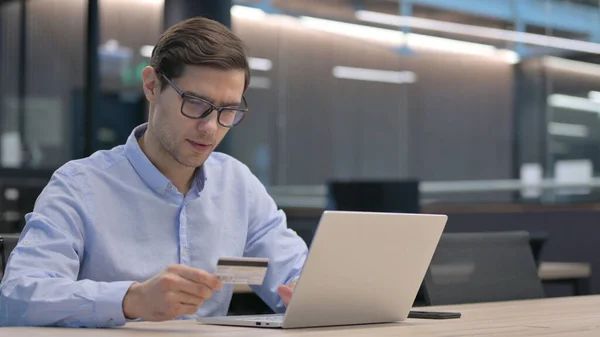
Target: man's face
191,141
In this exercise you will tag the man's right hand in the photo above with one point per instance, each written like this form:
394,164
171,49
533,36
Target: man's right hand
177,291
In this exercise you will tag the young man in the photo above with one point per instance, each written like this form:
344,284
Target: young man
136,232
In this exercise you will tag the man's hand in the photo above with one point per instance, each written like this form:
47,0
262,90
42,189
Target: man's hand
177,291
286,291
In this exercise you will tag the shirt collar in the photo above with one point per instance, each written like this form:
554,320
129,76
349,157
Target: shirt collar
147,171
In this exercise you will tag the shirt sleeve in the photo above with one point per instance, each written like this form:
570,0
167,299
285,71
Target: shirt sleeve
269,237
41,286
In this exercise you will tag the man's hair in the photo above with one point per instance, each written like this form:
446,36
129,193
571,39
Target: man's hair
199,42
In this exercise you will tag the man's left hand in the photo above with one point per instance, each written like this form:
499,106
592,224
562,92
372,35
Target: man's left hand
286,291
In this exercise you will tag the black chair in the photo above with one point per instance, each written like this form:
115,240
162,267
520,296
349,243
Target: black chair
2,257
482,267
8,242
537,241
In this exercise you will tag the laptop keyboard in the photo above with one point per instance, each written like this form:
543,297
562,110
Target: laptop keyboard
266,318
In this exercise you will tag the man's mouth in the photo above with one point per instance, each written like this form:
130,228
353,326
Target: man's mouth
200,146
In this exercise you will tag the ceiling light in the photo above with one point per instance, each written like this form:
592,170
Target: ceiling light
594,96
478,31
398,38
247,12
571,65
260,82
573,103
260,64
568,130
146,51
374,75
352,30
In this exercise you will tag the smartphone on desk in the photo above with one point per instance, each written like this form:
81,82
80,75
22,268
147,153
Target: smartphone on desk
433,314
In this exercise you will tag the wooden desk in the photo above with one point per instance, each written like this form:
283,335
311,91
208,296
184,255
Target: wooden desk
558,317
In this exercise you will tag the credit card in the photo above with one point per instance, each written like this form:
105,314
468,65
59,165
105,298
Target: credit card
242,270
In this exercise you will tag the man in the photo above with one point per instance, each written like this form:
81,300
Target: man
136,232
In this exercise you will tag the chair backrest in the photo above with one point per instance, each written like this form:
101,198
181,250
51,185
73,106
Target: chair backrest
8,242
482,267
2,256
537,241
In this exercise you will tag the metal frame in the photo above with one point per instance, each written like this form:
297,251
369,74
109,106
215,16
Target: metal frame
22,65
92,74
315,196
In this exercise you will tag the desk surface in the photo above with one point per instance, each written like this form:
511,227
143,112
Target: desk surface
566,316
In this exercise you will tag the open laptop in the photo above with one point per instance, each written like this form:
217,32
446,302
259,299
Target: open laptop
362,268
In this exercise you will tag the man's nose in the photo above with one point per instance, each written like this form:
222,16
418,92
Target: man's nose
209,121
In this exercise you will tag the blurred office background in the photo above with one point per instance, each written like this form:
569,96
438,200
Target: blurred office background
485,110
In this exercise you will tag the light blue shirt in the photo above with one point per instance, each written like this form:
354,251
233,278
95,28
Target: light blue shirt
108,220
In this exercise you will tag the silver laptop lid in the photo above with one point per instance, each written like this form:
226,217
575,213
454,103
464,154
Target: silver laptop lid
364,268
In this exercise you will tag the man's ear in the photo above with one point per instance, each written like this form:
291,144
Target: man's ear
151,84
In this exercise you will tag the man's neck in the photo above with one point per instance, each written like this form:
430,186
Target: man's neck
180,176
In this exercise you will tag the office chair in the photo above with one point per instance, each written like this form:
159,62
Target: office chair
482,267
8,242
537,241
2,258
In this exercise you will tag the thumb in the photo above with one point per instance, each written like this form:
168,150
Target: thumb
285,293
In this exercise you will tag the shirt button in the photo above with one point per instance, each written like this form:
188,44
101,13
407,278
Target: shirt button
184,252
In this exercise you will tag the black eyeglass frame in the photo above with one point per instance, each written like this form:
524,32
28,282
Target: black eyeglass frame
211,108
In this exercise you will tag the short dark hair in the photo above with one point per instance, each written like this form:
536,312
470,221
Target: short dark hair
200,42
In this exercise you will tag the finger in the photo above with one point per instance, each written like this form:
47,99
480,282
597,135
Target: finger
197,276
285,293
286,290
195,289
187,299
186,309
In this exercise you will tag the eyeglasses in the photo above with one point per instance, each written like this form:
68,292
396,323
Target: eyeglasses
196,107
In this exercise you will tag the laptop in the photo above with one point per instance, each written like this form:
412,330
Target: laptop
362,268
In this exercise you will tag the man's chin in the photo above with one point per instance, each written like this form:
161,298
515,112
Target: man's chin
193,162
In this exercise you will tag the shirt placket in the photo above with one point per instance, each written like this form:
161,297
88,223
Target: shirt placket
184,255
